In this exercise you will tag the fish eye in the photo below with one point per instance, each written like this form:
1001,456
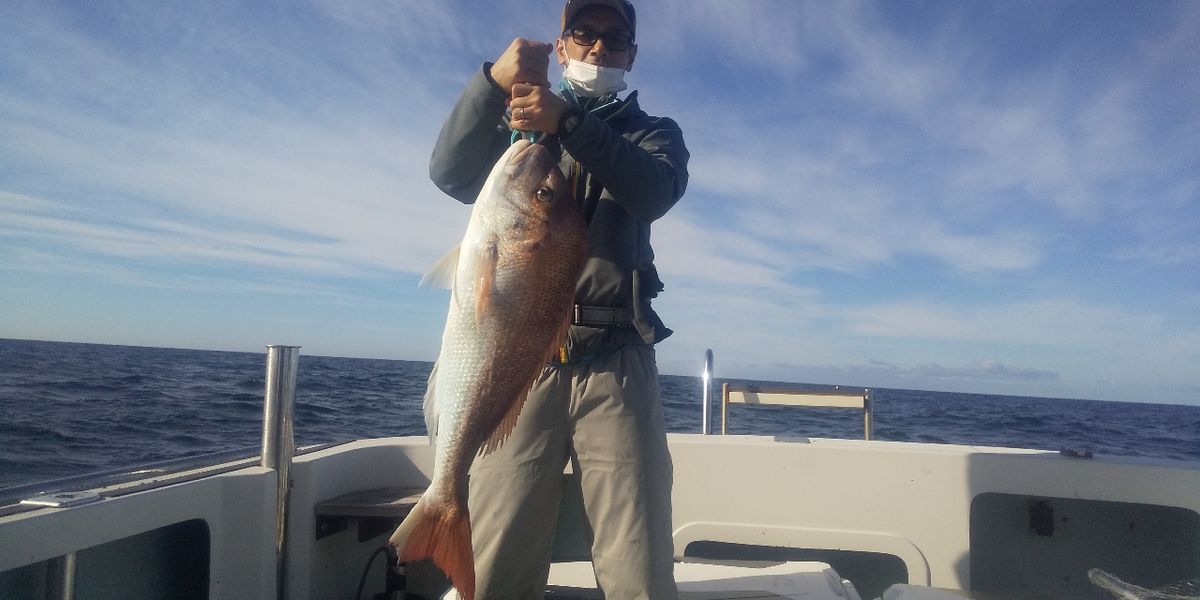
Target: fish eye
545,194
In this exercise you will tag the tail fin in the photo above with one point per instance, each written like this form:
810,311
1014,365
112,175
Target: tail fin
443,533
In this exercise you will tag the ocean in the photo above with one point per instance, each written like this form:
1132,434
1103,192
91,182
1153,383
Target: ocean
72,409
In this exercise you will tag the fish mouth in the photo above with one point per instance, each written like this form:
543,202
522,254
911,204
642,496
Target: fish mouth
527,167
529,162
525,149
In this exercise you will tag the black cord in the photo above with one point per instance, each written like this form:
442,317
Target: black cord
362,581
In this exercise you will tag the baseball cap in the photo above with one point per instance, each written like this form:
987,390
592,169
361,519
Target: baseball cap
623,8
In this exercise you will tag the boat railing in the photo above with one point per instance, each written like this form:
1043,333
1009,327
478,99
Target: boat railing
836,397
749,393
116,477
707,377
279,444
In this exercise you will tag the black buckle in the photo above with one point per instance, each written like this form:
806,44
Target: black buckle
601,316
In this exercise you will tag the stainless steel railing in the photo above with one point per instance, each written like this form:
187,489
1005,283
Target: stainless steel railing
279,444
707,376
794,395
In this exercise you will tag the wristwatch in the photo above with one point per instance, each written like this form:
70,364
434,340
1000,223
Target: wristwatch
569,121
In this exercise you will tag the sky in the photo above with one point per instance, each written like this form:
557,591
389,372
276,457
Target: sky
985,197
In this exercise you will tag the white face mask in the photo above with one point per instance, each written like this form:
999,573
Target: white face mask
593,81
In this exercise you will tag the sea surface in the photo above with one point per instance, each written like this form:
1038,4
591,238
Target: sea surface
70,409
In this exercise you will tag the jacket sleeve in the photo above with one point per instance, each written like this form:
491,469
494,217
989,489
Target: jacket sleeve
471,140
647,177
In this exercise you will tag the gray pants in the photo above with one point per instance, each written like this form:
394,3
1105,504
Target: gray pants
606,417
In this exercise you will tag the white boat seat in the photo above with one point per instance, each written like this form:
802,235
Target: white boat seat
718,580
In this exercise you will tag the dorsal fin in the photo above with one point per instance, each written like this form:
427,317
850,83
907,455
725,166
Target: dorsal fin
507,424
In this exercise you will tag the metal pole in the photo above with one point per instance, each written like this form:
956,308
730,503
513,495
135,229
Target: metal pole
706,424
279,444
868,419
60,579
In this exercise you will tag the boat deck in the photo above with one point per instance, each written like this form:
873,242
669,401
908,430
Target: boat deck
696,579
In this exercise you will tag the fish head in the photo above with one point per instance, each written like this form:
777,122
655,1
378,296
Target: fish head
533,189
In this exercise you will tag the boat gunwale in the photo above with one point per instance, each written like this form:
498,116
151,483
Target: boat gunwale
151,475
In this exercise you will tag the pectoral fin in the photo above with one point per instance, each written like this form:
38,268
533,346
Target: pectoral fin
441,273
485,279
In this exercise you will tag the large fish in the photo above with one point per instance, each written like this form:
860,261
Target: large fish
512,282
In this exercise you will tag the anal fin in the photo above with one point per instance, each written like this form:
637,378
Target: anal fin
429,404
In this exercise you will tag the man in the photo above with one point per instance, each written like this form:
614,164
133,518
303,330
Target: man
598,405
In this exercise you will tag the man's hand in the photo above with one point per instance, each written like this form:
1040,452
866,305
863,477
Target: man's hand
525,61
535,108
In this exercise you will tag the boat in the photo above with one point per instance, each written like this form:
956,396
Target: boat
753,516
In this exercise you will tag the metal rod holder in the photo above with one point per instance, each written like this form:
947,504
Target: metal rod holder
706,423
279,444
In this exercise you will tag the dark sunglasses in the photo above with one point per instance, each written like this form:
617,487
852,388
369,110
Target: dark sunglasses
617,42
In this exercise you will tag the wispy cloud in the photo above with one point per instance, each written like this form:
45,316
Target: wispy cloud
237,176
986,370
1056,323
939,126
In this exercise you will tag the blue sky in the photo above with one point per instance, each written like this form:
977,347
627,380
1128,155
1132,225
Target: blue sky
995,197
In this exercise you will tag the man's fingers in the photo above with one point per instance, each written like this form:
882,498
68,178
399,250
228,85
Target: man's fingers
534,47
522,89
535,108
531,78
533,61
523,60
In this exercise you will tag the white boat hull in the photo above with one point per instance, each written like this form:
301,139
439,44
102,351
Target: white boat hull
1013,523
